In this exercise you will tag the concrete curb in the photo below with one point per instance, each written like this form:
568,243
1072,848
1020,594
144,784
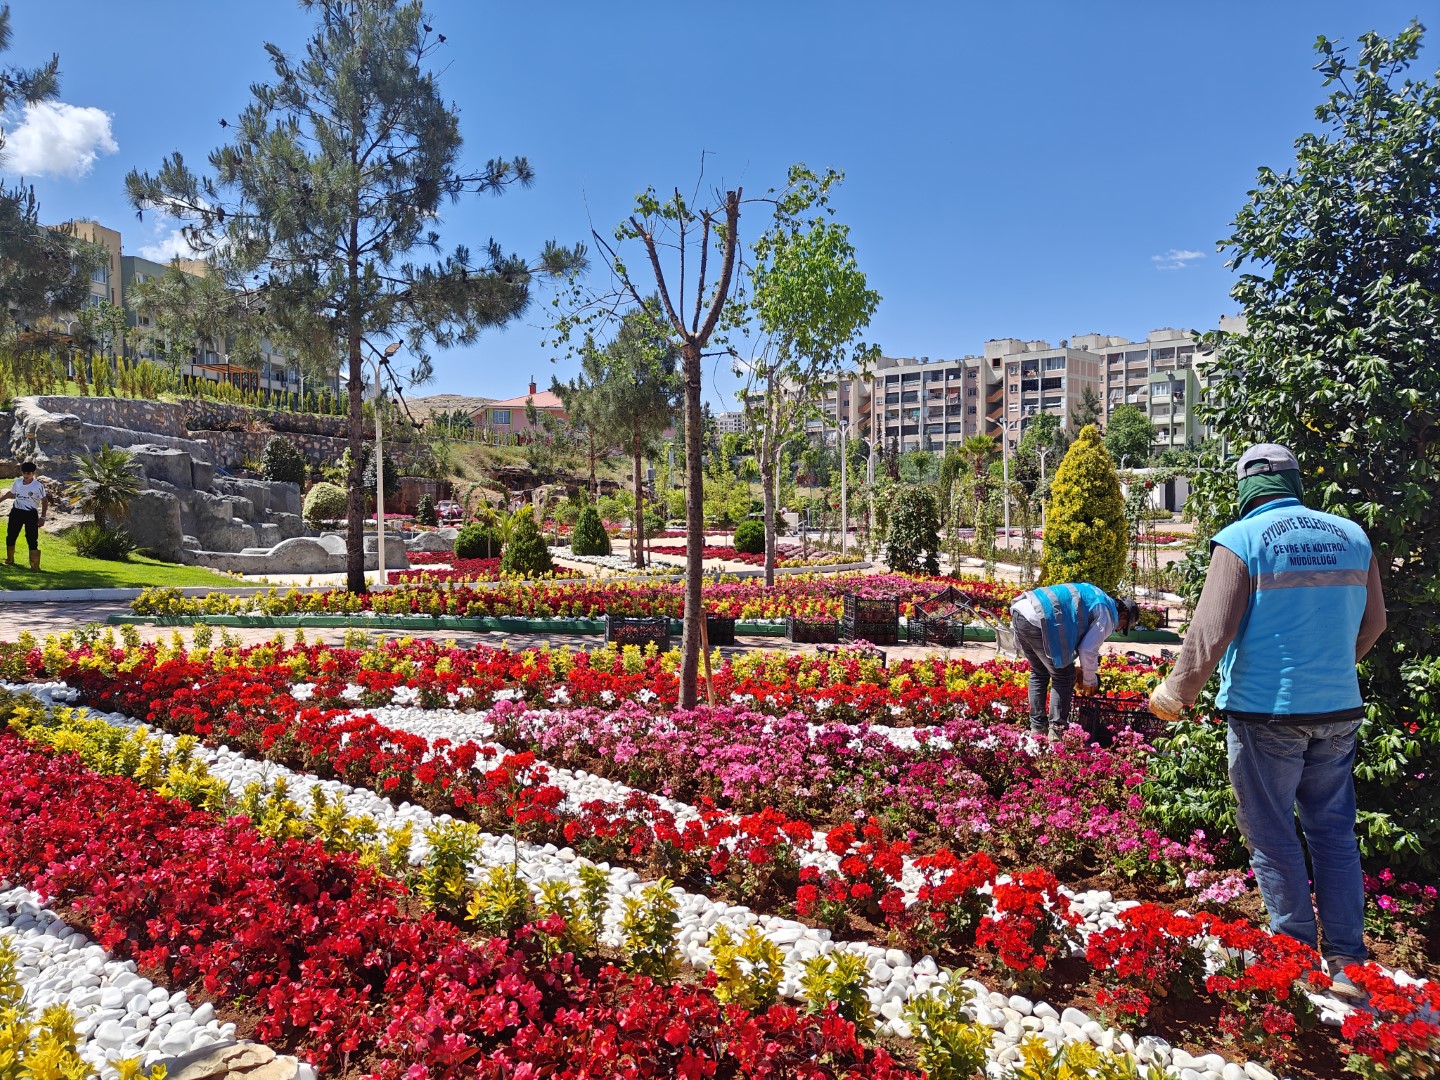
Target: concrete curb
63,596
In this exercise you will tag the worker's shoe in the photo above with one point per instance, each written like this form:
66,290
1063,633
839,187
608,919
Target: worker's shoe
34,560
1341,985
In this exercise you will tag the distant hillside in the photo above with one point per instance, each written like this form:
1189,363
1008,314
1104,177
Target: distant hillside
422,407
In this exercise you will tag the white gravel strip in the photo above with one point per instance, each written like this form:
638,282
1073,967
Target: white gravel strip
895,977
119,1014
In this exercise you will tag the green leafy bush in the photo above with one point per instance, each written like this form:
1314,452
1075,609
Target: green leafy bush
1085,526
92,540
525,553
590,537
483,538
324,502
105,484
425,511
912,534
750,536
281,462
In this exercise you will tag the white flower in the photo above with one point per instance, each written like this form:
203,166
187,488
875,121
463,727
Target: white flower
645,696
561,696
302,691
607,696
509,694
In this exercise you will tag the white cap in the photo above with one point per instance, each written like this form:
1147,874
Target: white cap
1265,458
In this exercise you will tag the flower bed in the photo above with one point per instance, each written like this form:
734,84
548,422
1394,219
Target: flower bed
805,595
457,570
786,555
752,758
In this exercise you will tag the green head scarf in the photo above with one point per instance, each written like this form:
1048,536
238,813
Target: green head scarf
1265,485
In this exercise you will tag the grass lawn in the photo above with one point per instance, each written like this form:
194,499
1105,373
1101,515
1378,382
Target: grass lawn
61,568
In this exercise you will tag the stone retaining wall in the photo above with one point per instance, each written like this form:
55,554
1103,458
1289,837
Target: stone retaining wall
233,447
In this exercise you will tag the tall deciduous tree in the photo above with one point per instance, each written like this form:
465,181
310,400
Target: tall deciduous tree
809,302
1089,410
630,389
676,240
1340,361
336,177
1130,435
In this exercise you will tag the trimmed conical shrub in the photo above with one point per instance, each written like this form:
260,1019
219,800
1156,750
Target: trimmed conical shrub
1085,525
590,537
525,552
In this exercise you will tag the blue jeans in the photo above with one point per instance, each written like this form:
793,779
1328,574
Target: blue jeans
1044,677
1276,770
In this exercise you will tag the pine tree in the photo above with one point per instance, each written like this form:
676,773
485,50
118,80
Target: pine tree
589,536
1085,528
336,178
525,552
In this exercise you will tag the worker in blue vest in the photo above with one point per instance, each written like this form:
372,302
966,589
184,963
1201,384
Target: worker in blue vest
1054,627
1292,601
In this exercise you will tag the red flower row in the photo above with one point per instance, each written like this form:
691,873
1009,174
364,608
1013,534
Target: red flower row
320,946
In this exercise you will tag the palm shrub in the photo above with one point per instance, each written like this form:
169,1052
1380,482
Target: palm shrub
324,502
425,511
750,536
281,462
91,540
483,538
525,553
912,533
105,484
1085,526
590,537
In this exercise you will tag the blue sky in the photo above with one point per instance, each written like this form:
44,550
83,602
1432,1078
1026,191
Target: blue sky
1031,170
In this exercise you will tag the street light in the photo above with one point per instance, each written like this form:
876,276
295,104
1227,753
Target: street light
844,515
379,366
1005,426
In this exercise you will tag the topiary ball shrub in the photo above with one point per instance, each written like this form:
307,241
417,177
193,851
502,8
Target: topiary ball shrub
590,537
481,539
525,552
750,536
425,511
324,503
281,462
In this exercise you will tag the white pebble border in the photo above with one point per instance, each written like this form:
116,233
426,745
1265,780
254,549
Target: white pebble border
895,978
119,1014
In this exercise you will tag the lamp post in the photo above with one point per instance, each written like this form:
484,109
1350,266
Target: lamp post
379,366
1005,426
1042,452
844,510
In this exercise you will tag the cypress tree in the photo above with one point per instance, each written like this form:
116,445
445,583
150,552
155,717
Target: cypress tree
1085,523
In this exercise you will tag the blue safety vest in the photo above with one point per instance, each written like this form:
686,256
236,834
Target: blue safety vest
1066,610
1294,654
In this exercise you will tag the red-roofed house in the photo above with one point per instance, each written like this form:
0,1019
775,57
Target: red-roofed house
509,416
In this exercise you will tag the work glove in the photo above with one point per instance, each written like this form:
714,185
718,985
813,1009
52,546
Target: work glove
1165,703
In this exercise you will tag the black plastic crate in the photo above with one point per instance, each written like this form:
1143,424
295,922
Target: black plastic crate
875,619
1102,716
719,629
638,630
944,630
811,630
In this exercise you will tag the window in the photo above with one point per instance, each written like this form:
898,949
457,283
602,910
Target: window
101,275
500,417
1014,388
1055,363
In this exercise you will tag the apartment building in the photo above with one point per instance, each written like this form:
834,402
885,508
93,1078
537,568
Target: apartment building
730,423
923,404
1037,377
1155,375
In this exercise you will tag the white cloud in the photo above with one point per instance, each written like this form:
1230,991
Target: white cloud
168,243
56,139
1176,259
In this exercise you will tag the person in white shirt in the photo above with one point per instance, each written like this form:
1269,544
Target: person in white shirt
32,503
1054,627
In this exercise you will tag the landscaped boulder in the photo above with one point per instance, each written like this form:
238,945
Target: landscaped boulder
302,555
153,522
436,540
164,463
